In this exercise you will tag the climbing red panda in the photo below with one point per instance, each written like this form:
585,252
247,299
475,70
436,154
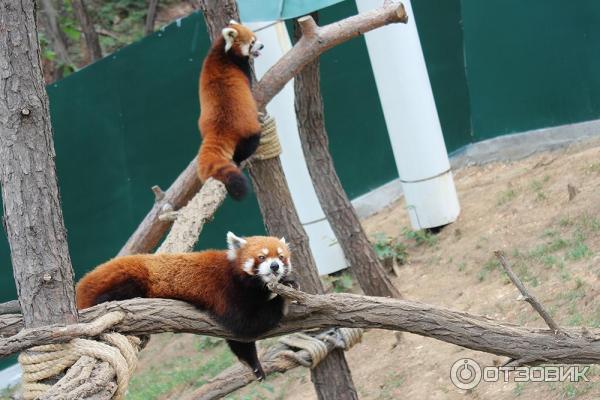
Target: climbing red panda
228,284
228,113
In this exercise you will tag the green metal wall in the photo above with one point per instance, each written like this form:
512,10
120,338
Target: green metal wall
531,64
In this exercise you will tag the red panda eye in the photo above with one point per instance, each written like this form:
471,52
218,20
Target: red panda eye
261,258
281,257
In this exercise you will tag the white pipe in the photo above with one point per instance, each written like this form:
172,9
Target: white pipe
325,248
412,120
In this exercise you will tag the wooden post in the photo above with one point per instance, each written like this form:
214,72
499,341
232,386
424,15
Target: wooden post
32,215
334,201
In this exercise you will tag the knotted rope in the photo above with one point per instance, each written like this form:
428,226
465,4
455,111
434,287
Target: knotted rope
316,346
43,362
269,146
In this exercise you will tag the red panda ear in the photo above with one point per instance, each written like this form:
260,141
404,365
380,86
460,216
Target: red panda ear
233,22
229,34
282,240
234,242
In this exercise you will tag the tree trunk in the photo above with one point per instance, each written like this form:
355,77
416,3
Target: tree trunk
32,214
332,378
57,38
151,17
336,205
89,32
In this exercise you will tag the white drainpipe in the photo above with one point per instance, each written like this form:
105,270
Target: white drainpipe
325,248
412,120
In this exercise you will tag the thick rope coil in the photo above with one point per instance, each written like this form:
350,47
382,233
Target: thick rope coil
43,362
269,146
342,338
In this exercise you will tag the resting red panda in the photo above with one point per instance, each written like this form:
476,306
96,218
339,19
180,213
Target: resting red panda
228,113
229,284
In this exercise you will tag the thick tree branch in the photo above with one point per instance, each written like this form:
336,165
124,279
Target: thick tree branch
152,229
147,316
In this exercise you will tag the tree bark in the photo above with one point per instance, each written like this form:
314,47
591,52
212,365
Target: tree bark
332,378
147,316
58,40
89,32
32,214
151,17
334,201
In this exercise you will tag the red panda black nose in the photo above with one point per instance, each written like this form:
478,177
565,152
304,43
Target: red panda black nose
274,266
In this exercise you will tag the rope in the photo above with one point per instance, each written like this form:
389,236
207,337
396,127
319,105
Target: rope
46,361
269,146
316,347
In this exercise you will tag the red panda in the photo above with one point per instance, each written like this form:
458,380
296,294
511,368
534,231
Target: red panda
228,284
228,113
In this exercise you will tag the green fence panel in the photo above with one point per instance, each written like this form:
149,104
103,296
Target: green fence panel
441,35
531,64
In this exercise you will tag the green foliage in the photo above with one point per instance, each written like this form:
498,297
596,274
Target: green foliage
421,237
342,282
164,377
506,197
387,247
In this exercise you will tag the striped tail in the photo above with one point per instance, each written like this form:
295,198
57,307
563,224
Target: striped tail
215,161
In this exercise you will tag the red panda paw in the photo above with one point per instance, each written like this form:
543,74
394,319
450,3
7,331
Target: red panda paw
236,185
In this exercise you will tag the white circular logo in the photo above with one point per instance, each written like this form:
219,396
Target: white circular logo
465,374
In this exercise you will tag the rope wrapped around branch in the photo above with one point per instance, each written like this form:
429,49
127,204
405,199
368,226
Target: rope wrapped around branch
316,346
269,146
43,362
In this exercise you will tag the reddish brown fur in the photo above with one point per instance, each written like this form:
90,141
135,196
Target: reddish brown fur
200,278
228,110
212,280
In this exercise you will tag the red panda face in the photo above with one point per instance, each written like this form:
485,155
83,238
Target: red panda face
264,256
241,41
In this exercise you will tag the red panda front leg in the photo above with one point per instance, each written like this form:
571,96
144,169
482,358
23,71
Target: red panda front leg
246,352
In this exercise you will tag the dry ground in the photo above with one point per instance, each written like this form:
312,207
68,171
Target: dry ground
520,207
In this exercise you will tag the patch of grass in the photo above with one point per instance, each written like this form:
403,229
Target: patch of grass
491,265
387,247
578,249
392,382
462,266
162,379
342,282
594,168
203,343
537,186
565,222
506,196
518,390
421,237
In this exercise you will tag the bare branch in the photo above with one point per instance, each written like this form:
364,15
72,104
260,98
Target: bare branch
151,17
147,316
10,307
528,297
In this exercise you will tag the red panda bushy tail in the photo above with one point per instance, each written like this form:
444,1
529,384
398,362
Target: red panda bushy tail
118,279
215,161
